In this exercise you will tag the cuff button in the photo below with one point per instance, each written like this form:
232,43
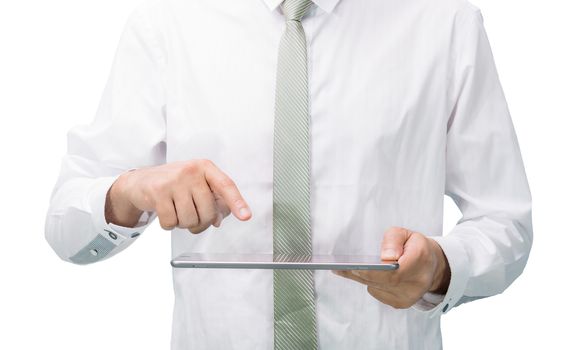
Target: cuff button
135,234
93,252
112,235
445,308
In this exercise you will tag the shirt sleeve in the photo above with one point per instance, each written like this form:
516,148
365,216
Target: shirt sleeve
128,131
489,246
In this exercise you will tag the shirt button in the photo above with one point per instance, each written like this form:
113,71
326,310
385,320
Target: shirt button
445,308
93,252
113,235
135,234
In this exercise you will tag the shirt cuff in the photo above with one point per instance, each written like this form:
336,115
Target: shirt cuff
437,304
132,232
429,301
109,238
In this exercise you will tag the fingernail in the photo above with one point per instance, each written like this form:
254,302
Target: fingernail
389,253
244,212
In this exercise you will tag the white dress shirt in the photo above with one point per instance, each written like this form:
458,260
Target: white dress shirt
406,106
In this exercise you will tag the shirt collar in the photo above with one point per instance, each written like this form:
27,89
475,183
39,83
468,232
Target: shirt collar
325,5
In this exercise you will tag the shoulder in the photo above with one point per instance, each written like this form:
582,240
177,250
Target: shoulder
457,16
456,6
463,11
152,6
444,11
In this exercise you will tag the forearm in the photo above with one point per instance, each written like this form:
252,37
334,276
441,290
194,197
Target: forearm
494,251
128,130
488,248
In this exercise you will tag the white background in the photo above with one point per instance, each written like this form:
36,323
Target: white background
54,60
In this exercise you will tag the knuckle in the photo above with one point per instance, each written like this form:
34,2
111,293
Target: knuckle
207,221
417,235
190,169
191,221
166,226
198,229
195,230
207,217
167,222
204,162
188,223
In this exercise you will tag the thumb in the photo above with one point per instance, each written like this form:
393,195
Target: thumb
393,243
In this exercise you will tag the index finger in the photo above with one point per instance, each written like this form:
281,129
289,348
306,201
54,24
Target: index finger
221,183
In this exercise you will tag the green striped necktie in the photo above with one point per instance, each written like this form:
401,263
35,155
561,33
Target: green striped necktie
295,325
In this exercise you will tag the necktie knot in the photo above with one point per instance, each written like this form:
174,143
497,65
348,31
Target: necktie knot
295,9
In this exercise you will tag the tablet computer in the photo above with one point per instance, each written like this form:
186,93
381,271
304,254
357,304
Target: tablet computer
282,261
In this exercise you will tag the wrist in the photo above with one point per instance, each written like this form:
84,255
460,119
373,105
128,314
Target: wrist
442,275
119,210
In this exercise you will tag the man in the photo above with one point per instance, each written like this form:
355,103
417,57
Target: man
337,123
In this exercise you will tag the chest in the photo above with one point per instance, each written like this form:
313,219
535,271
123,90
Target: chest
377,94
